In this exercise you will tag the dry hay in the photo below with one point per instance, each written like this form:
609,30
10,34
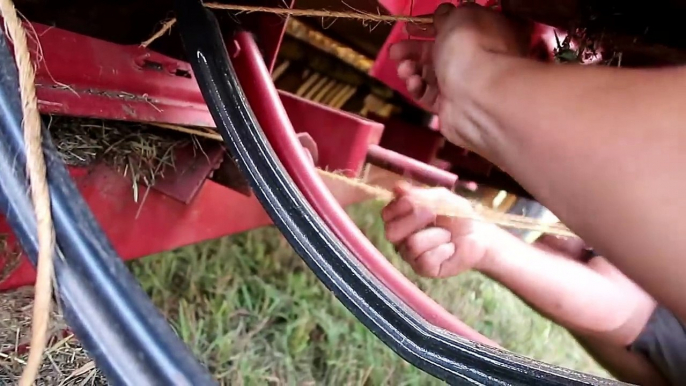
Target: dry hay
139,151
65,362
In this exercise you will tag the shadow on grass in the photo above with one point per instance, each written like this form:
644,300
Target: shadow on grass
253,312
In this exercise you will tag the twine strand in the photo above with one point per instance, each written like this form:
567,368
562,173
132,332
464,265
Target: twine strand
480,212
167,26
36,169
354,15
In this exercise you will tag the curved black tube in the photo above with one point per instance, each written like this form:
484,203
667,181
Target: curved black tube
113,318
434,351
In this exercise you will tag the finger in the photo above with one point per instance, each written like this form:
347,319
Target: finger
402,188
430,263
398,207
424,241
442,197
458,226
398,230
416,50
442,13
395,209
407,68
428,98
420,30
429,74
416,86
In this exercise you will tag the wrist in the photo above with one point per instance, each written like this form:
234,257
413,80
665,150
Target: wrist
496,89
498,242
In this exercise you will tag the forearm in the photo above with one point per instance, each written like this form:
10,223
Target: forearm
563,290
603,149
623,364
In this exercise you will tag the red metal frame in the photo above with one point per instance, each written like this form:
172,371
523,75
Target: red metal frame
130,83
160,223
186,209
263,97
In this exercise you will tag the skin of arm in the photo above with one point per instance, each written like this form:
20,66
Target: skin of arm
601,147
607,165
602,308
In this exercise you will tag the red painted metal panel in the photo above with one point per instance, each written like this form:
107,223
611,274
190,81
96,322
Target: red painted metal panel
160,223
342,138
192,167
111,81
417,142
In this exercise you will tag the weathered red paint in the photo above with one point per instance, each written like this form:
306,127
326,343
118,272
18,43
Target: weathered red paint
193,165
342,139
159,223
271,114
111,81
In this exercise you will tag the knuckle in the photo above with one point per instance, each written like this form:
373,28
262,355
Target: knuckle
389,230
412,245
426,270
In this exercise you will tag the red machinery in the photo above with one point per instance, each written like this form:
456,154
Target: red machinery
87,71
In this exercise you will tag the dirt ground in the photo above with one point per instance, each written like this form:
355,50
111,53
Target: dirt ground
66,363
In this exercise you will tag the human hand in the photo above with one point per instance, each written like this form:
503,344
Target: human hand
450,74
310,147
436,246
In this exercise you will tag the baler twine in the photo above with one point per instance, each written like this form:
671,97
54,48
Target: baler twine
323,13
479,213
357,15
40,195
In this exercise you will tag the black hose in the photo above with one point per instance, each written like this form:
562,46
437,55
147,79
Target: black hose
128,338
441,354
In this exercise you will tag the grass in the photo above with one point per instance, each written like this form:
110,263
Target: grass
254,314
251,310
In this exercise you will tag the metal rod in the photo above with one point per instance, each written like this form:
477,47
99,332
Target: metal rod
410,167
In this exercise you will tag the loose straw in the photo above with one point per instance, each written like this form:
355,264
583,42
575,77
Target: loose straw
35,163
480,213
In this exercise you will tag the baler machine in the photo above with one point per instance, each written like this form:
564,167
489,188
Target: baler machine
271,87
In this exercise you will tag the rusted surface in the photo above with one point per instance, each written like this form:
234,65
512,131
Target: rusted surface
193,164
228,174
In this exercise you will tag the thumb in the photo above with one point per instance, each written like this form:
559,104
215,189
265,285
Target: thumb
402,188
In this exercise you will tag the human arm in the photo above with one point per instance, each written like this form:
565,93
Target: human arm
601,147
605,163
601,307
